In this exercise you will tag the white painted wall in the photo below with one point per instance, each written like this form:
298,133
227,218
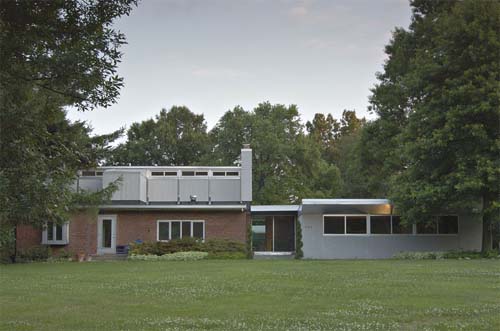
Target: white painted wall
318,246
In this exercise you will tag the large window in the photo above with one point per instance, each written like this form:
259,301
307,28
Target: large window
55,234
380,224
443,224
355,224
168,230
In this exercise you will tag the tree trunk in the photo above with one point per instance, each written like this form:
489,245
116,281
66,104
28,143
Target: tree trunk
487,230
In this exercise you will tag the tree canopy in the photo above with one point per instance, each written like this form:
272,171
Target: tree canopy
53,55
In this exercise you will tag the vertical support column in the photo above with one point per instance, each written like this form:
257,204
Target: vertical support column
246,174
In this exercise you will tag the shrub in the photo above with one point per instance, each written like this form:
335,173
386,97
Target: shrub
227,256
446,255
223,245
216,248
179,256
36,253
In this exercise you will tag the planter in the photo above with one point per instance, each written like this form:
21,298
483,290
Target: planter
81,257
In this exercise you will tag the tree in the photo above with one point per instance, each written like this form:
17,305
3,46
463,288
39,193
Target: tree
53,54
175,137
439,98
287,165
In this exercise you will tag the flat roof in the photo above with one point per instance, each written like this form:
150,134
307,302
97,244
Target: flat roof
346,206
275,208
364,202
174,207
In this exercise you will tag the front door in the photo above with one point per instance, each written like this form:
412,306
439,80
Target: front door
106,234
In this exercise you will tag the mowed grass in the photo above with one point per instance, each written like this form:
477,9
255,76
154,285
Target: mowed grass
252,295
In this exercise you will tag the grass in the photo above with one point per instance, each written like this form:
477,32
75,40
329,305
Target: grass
252,295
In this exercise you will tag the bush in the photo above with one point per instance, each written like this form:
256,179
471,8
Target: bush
446,255
36,253
179,256
212,246
227,256
223,246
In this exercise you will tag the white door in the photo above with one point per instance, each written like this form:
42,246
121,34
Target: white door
106,234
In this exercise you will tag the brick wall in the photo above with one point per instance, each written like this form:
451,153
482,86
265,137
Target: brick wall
27,237
142,225
137,225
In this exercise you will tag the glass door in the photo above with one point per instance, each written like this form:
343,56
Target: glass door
273,233
106,235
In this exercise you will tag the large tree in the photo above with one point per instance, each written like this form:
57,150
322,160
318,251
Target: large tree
439,108
174,137
53,55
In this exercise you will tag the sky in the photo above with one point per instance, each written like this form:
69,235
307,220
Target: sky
214,55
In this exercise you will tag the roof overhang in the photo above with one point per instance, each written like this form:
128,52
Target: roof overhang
275,210
239,207
346,206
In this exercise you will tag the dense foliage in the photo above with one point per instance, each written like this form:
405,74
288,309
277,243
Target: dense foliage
436,144
216,248
53,55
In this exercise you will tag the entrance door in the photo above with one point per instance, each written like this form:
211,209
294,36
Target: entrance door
106,234
273,233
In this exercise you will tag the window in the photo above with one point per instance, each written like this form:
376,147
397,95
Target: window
170,173
356,224
334,225
98,173
188,173
232,173
168,230
202,173
429,227
400,228
219,173
448,224
380,224
88,173
55,234
157,173
352,224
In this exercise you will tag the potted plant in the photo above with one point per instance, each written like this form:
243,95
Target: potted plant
81,256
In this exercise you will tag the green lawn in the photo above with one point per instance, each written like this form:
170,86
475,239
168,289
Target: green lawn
252,295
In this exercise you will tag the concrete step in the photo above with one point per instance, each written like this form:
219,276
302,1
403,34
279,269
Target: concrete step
273,255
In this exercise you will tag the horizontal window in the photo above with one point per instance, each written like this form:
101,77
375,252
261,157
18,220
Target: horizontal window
398,227
448,224
157,173
232,173
380,224
429,227
356,224
219,173
348,224
188,173
334,225
444,224
202,173
98,173
168,230
170,173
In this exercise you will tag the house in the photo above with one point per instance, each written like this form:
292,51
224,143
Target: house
164,203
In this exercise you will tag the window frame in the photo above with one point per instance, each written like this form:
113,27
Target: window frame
345,225
181,234
65,234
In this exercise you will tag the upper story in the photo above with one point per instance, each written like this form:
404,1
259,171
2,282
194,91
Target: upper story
158,185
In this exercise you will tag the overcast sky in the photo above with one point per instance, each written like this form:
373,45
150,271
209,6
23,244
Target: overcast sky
213,55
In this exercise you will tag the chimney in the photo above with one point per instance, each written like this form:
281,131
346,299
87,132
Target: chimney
246,173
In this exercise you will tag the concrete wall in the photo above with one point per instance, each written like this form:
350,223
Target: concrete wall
372,246
132,186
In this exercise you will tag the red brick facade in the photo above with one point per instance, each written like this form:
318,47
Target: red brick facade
134,225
